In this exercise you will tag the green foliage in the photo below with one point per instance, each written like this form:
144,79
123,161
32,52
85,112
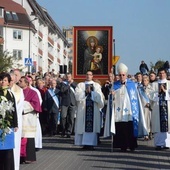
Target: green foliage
6,61
157,65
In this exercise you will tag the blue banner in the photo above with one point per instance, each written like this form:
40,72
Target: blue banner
8,142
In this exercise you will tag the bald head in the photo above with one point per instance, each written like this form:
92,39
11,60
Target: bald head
17,74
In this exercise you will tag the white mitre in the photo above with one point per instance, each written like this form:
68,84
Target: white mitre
122,68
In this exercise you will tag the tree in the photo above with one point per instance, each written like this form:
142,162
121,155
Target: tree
6,61
157,65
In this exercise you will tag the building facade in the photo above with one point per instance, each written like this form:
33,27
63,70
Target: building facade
68,32
30,35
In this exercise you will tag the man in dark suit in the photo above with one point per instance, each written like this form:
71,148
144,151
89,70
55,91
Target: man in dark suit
52,105
106,89
68,105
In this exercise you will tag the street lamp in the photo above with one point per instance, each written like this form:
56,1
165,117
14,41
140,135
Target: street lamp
114,53
29,56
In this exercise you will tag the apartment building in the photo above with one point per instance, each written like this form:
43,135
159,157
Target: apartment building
30,34
68,32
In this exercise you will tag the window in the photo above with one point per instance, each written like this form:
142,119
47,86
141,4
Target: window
1,31
9,16
1,13
71,51
15,17
70,40
40,61
70,45
17,35
17,54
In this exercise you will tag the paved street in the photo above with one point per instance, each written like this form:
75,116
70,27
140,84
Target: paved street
60,154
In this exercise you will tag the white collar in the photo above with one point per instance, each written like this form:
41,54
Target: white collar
162,81
89,82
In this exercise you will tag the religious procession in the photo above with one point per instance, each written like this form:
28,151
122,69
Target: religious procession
124,108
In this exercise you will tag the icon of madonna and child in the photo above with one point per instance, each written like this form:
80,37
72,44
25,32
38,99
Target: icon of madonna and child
93,56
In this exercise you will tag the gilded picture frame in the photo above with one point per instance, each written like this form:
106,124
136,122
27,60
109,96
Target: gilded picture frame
92,51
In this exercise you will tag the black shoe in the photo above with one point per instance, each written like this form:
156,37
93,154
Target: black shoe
123,149
37,149
68,136
158,148
63,134
86,147
165,147
132,149
51,134
54,133
22,160
91,148
99,141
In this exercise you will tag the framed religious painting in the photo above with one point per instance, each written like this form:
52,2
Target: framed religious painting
92,51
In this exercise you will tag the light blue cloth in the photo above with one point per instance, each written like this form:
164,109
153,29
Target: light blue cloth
143,94
53,95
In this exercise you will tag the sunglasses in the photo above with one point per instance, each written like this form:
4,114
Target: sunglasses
121,74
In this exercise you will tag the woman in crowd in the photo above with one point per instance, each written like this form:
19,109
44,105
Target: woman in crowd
145,90
8,122
40,84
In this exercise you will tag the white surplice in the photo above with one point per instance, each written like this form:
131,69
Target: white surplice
160,138
122,112
82,137
119,113
38,137
19,98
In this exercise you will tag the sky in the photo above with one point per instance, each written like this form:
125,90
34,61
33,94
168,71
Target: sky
141,28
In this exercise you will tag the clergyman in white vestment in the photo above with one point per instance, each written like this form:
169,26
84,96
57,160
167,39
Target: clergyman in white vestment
19,98
161,111
86,93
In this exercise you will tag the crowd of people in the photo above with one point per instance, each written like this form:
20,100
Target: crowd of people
125,107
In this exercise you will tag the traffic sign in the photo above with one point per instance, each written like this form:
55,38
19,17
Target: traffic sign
115,59
28,61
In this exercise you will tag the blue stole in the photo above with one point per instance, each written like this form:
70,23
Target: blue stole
143,94
65,82
53,95
132,92
163,109
89,113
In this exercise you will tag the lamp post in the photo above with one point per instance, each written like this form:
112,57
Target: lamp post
114,53
29,47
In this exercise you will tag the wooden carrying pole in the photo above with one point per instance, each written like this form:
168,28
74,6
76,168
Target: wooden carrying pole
110,103
114,73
